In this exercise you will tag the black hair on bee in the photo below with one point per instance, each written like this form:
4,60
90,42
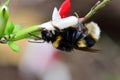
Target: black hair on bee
79,37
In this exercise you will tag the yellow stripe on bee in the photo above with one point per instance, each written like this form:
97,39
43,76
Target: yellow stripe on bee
56,42
81,43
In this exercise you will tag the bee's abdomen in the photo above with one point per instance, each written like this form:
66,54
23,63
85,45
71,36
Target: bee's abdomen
65,46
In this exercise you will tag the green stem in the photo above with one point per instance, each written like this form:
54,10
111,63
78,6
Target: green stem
95,9
25,33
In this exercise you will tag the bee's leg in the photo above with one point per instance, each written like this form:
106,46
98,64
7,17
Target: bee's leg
76,36
80,26
37,38
82,29
36,41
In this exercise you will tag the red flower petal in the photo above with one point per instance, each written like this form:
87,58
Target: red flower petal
64,10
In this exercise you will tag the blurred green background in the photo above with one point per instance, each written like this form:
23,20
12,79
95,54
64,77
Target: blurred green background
103,65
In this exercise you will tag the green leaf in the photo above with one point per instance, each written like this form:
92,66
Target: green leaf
9,29
18,28
13,46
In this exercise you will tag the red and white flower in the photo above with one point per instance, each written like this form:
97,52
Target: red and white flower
61,18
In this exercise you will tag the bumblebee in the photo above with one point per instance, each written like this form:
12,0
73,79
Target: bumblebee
78,37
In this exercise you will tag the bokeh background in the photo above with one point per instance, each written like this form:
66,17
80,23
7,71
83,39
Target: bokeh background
102,65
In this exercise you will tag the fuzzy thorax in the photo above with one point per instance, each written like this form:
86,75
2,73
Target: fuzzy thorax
93,30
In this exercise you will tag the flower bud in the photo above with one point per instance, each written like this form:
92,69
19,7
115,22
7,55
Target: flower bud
4,14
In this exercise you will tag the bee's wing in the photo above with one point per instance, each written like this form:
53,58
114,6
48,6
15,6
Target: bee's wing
89,49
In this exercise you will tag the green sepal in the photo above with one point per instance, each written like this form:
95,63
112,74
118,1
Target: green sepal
9,28
13,46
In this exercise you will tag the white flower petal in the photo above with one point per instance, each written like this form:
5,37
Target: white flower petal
55,16
61,24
